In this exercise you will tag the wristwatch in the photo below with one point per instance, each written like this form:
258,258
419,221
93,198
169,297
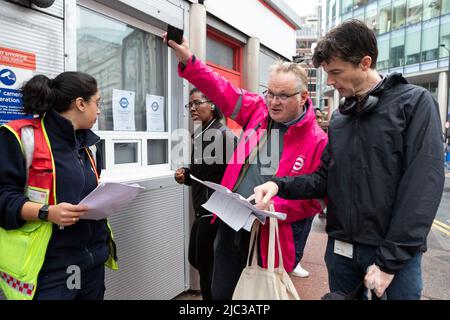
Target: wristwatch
43,213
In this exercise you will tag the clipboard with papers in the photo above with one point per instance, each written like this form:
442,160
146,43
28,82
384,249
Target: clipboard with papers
108,198
233,209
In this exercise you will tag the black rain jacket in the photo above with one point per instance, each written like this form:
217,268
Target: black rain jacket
383,173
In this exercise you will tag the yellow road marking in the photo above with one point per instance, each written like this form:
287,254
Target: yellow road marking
441,229
441,224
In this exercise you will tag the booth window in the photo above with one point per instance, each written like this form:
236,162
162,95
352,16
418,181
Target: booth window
224,55
131,68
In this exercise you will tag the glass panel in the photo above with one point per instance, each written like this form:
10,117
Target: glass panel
360,3
430,40
445,7
412,44
346,6
157,151
397,49
384,18
121,57
102,152
219,53
414,13
445,36
398,14
431,8
371,17
383,52
125,152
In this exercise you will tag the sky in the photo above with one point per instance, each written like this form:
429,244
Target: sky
302,7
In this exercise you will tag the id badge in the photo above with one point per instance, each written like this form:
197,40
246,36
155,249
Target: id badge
343,249
38,195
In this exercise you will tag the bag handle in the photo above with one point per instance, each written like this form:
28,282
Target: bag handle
274,237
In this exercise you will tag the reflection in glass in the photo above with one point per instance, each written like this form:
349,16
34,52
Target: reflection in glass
397,49
412,45
121,57
125,152
414,13
157,151
383,52
371,18
384,17
220,54
431,8
398,14
430,39
445,36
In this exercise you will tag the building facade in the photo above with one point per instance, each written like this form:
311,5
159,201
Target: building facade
413,38
120,43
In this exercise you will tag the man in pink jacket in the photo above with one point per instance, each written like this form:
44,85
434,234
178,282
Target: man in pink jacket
280,138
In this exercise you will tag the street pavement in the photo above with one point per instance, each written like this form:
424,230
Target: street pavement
435,262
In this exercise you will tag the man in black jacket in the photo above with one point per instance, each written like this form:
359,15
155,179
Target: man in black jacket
382,170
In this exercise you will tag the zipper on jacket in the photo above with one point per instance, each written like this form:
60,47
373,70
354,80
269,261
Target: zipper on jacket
349,218
91,256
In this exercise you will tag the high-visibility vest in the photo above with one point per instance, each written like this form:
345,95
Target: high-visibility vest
22,250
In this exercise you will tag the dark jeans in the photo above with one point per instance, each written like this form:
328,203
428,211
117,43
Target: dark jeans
230,258
54,286
345,274
201,252
301,230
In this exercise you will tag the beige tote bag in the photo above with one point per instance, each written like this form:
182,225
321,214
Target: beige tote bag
256,283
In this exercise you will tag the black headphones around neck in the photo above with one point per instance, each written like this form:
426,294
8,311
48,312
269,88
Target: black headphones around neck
352,105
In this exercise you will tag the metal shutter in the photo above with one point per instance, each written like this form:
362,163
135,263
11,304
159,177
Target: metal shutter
149,235
36,32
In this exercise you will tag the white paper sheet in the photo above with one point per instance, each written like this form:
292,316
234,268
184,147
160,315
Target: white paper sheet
123,110
108,198
155,113
233,209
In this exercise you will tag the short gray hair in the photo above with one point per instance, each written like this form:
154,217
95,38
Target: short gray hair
295,68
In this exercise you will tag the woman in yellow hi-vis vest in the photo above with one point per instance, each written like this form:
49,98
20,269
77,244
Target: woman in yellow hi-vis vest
47,251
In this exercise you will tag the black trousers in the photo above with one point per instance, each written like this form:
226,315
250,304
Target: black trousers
56,286
201,252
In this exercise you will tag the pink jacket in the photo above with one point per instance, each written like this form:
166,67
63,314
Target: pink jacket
303,142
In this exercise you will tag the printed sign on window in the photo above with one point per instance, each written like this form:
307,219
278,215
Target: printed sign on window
123,110
155,113
16,67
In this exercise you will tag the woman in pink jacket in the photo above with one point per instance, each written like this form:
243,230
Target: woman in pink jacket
281,138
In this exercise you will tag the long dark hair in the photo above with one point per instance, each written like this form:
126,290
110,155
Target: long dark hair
41,94
216,112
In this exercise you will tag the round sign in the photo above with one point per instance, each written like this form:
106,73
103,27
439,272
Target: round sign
7,77
155,106
124,102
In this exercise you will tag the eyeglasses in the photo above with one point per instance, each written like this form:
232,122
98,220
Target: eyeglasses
195,103
283,97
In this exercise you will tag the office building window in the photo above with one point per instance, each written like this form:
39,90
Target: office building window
445,36
384,16
431,8
412,44
398,14
414,11
383,52
397,48
445,7
371,17
430,40
346,6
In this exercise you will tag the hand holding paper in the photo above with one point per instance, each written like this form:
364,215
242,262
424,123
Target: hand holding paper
108,198
233,209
